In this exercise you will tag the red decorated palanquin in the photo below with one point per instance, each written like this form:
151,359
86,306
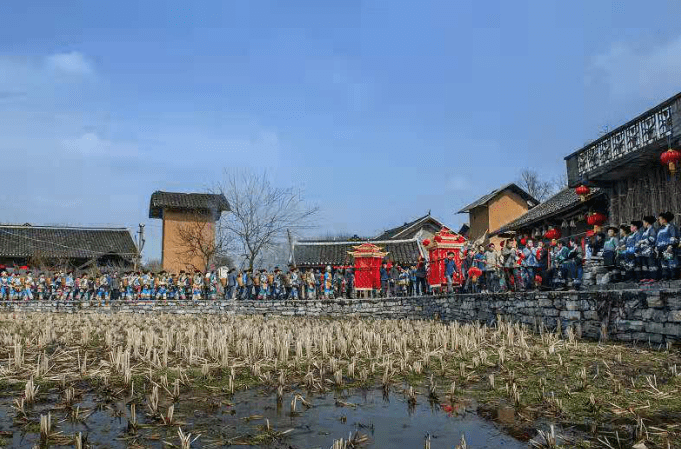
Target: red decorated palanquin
368,258
444,242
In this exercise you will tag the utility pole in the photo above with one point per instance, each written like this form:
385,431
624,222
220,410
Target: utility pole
140,246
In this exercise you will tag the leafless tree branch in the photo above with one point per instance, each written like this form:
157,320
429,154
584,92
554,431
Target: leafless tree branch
261,213
533,184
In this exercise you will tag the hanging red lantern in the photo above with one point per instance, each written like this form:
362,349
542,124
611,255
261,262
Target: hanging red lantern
671,158
583,191
426,242
552,234
474,273
438,238
523,241
596,219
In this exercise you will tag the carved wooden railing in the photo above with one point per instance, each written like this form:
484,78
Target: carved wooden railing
650,128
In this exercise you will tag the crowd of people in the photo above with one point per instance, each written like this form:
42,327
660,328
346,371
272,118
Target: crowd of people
146,285
644,251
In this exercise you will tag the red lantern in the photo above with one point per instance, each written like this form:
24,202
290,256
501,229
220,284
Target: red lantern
671,158
583,191
596,219
552,234
523,241
426,242
474,273
438,238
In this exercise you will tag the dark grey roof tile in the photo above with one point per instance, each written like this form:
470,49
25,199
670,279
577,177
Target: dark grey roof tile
66,242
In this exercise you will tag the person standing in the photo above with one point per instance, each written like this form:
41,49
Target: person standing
450,268
507,261
621,256
350,283
530,262
610,248
575,260
294,279
115,286
394,271
421,273
666,244
633,260
231,284
385,279
645,251
491,266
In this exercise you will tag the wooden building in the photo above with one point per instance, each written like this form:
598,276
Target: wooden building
625,164
497,209
188,225
62,247
564,211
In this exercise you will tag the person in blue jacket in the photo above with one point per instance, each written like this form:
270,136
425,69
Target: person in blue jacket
385,278
645,250
632,268
666,244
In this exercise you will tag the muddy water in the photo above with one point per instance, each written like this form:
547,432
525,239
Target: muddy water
387,420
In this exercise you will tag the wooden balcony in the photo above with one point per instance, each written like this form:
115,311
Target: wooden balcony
629,148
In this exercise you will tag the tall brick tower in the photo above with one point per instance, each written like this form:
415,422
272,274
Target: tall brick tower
188,218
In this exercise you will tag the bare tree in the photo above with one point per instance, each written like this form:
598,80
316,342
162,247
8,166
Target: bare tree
533,184
262,213
560,182
202,243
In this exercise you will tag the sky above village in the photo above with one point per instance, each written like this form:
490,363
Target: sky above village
380,110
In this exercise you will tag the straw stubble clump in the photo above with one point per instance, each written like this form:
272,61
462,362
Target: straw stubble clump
538,375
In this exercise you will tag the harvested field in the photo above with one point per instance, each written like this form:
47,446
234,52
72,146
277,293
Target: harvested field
128,380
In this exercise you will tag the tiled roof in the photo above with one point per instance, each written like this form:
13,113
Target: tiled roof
560,202
395,232
49,241
320,253
187,201
487,198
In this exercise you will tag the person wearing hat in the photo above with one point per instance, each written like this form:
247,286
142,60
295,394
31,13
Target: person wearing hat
633,269
645,251
610,247
665,245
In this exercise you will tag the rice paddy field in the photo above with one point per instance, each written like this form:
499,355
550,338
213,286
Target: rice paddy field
161,381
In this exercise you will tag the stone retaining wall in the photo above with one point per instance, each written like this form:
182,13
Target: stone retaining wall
630,315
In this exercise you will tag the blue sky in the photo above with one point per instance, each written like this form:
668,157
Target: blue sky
381,110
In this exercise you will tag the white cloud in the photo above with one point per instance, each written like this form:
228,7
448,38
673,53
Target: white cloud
628,70
73,63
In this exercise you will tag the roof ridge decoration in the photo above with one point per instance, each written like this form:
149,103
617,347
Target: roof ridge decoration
445,238
367,249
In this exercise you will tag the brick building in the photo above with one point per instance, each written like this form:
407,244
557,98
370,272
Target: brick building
497,209
188,223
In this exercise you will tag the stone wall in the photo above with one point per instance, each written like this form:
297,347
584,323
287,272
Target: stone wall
630,315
